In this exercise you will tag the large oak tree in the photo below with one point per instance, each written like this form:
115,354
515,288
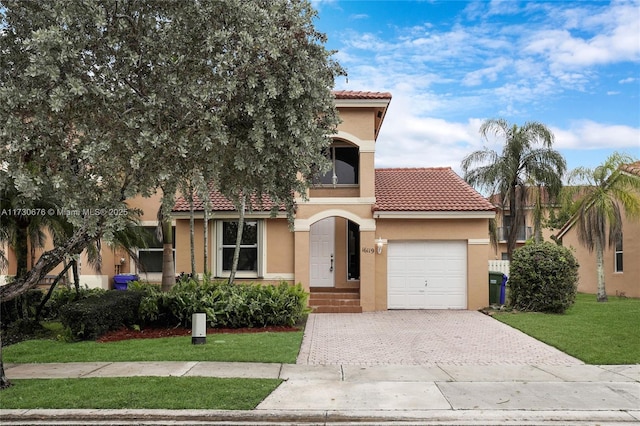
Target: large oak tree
103,100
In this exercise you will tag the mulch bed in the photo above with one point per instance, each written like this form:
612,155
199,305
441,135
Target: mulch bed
154,333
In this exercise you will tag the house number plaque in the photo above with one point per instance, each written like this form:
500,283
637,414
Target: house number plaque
368,250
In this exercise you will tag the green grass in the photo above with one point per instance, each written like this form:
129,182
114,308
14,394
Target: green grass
596,333
138,392
281,347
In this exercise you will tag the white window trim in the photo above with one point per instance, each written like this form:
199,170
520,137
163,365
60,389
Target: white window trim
615,257
261,255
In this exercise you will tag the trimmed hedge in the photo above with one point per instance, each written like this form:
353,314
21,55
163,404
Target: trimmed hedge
90,318
543,277
227,306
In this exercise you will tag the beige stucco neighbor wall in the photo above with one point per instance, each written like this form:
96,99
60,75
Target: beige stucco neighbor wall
473,231
110,259
628,281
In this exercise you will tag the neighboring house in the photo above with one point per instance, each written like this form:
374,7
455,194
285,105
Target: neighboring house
526,229
364,240
113,261
621,263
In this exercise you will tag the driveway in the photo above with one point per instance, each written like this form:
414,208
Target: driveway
422,337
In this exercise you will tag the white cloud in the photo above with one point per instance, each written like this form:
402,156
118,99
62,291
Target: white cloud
587,134
590,38
438,77
359,16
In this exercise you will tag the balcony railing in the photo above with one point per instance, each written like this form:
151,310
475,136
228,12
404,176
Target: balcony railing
524,233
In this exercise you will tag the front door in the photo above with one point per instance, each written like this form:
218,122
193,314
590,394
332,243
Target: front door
322,260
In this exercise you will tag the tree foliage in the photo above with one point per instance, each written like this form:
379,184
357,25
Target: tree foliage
104,100
604,195
520,165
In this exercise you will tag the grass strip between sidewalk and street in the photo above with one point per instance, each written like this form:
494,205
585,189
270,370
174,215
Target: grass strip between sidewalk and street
171,393
596,333
276,347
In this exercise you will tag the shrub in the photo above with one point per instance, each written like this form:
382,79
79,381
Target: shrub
89,318
543,278
226,306
62,296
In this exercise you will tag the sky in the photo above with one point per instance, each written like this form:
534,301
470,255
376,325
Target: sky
450,65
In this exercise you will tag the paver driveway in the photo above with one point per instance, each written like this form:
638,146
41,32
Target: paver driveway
421,338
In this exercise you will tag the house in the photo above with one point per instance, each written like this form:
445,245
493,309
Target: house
363,239
621,263
526,229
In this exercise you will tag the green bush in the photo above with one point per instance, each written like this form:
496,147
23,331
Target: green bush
89,318
543,278
62,296
226,306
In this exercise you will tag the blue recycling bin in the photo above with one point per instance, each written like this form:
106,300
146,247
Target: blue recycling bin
121,281
503,289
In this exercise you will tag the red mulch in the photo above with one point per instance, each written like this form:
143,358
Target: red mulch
153,333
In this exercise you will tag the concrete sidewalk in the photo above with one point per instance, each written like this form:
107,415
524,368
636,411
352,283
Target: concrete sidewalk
379,394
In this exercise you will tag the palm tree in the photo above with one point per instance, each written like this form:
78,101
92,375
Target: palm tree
608,191
511,173
24,230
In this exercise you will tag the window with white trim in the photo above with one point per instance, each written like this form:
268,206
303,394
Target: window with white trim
618,255
249,261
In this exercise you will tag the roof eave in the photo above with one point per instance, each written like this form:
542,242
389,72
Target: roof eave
229,214
460,214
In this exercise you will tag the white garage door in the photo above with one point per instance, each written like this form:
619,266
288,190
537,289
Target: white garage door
427,275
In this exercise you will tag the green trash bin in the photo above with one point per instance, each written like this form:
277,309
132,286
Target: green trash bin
495,283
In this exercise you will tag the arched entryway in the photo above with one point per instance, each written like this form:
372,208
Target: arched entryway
334,260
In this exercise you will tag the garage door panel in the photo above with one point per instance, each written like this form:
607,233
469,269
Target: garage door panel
441,265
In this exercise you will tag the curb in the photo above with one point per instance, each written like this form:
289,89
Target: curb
272,417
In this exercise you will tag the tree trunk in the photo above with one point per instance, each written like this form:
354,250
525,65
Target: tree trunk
513,227
21,252
76,273
49,260
236,251
168,267
537,216
205,226
192,235
51,288
602,292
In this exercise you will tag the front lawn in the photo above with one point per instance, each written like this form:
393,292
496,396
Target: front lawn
150,392
171,393
279,347
596,333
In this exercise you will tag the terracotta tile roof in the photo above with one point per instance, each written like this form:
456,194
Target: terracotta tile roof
220,204
633,168
426,190
350,94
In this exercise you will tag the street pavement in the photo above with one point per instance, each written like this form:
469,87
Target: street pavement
381,389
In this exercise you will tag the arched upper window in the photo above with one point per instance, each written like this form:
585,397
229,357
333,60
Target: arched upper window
345,163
